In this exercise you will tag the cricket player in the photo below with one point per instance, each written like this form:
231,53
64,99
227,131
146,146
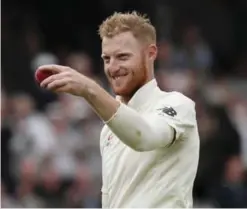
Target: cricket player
150,142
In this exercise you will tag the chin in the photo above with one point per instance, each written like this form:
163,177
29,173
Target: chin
125,92
125,89
120,92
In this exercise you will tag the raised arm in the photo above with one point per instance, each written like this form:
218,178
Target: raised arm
138,132
142,133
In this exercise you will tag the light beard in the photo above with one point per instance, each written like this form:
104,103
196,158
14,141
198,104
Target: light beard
142,80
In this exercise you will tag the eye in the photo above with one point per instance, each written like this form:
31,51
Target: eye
123,56
106,59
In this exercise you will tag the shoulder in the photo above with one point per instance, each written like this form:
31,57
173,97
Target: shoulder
176,105
175,98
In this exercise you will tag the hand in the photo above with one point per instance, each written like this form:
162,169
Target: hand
66,80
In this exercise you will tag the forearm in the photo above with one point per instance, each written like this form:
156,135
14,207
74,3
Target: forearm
138,132
101,101
127,124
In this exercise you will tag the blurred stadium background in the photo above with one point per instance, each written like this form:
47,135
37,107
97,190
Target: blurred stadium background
50,143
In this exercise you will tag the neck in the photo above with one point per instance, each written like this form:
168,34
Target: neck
126,98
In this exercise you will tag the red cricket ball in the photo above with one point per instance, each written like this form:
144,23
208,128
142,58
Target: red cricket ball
41,75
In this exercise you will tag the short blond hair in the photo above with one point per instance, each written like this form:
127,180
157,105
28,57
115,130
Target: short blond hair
139,25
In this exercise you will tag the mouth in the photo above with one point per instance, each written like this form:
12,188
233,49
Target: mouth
116,78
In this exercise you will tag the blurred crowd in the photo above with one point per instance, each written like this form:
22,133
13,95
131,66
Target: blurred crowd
50,143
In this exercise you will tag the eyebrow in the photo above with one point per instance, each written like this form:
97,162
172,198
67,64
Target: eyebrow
117,53
104,55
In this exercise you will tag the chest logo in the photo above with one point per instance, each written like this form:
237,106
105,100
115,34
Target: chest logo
169,111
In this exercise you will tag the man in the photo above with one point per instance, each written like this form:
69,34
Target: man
150,142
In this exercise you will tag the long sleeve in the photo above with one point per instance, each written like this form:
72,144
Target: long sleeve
150,131
139,132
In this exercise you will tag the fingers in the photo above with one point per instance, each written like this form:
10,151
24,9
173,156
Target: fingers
58,85
62,89
54,77
54,68
66,80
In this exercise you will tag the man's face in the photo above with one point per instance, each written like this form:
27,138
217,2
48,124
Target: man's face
125,63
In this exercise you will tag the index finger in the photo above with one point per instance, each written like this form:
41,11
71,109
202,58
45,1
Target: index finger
53,68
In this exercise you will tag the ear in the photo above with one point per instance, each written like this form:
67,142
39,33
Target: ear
152,52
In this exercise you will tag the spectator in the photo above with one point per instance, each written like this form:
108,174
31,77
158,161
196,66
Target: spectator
33,136
232,191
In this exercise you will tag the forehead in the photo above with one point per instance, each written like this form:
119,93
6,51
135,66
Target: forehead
119,43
